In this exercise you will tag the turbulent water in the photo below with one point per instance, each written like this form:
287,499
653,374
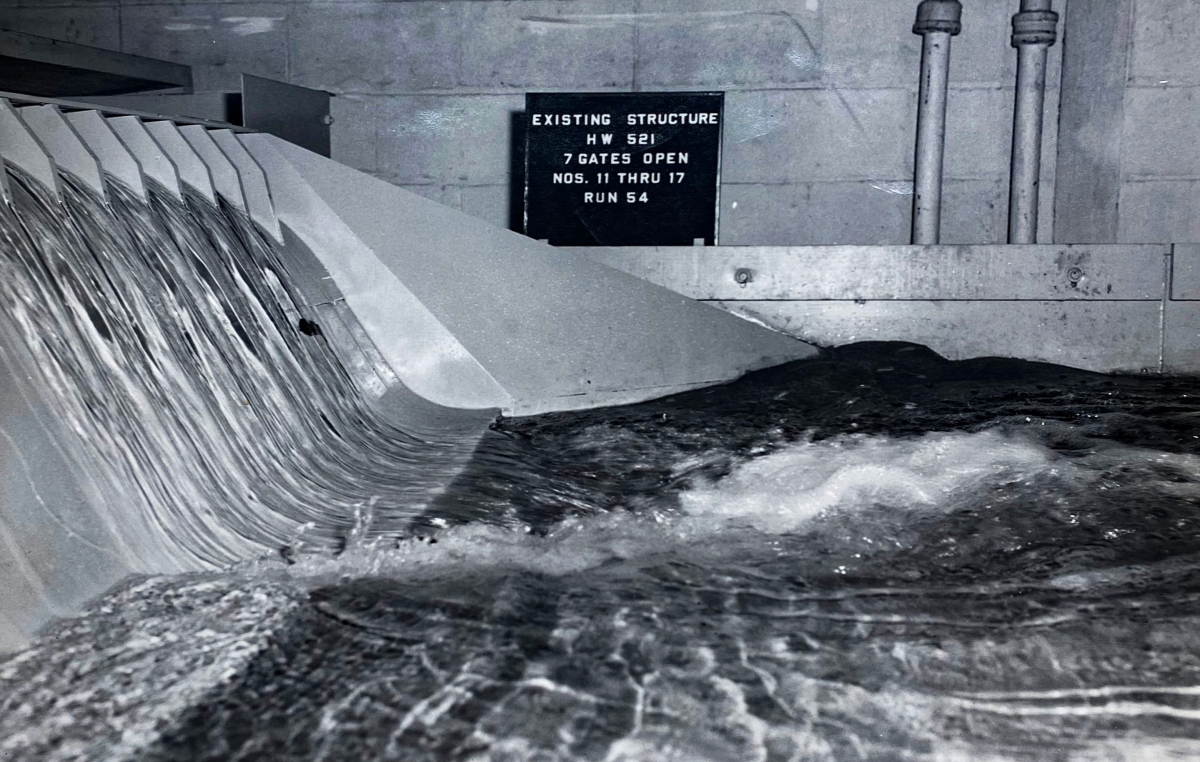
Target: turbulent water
873,555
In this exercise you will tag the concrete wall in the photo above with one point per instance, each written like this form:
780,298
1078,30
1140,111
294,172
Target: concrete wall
1124,308
821,93
1160,158
1130,165
821,98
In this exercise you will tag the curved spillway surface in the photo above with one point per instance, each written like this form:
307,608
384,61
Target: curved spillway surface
873,555
208,425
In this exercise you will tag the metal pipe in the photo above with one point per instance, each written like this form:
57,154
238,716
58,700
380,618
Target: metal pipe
1035,29
937,21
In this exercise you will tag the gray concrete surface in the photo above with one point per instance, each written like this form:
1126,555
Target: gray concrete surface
64,145
252,181
193,171
1160,166
115,159
21,148
1185,272
153,161
1091,120
221,171
1111,308
985,272
470,315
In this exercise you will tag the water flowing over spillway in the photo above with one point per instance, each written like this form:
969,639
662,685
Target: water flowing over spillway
162,329
873,555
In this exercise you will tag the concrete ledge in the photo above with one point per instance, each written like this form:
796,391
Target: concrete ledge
253,182
155,163
115,159
193,172
1109,308
19,147
1038,272
221,171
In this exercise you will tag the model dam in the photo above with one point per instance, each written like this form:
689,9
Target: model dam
867,553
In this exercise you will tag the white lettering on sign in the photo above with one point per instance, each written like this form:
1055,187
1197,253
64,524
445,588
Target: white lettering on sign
640,177
611,197
670,157
601,158
572,120
591,173
668,120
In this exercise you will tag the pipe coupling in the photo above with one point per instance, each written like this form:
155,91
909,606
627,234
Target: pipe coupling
1034,28
938,16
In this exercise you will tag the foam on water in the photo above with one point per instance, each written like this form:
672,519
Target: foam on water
844,488
774,494
782,491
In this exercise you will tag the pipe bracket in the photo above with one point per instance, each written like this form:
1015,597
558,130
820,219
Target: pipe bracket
938,16
1034,28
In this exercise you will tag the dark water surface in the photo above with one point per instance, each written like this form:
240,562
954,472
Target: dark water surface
873,555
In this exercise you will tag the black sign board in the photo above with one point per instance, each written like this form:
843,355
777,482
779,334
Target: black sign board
622,169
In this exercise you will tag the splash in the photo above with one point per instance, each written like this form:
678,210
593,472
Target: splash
784,491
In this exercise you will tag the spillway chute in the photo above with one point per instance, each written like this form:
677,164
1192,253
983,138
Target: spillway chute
115,159
253,182
193,171
219,378
224,175
155,163
21,148
64,145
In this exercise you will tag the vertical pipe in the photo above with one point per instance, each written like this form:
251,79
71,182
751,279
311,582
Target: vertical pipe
937,21
1035,29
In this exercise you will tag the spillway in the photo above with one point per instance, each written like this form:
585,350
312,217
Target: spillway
166,334
220,345
300,466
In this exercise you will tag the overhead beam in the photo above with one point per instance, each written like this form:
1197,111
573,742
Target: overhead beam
42,66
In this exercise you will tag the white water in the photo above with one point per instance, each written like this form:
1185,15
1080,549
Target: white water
830,487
